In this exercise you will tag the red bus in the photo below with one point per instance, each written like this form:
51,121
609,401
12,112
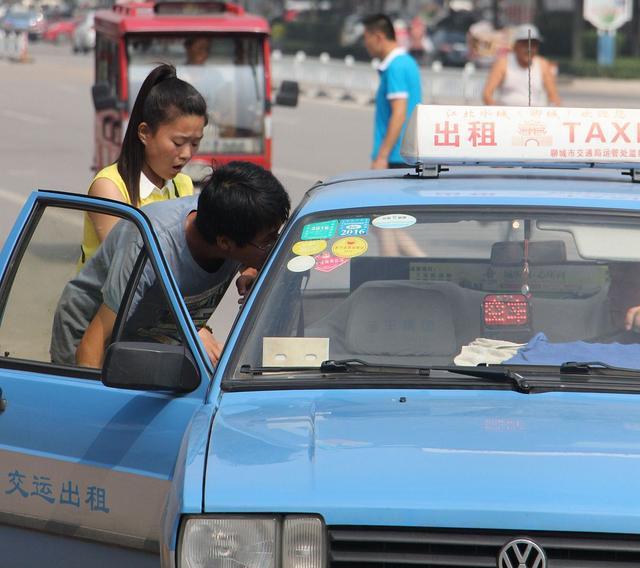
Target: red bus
216,46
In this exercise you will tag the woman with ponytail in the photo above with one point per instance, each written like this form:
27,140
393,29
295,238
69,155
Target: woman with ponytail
164,131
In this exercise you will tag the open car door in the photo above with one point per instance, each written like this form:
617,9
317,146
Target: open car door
86,468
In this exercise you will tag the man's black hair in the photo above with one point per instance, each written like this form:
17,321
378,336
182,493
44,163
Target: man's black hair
240,200
380,23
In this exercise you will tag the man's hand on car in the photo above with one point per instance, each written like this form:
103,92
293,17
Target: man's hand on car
244,283
212,346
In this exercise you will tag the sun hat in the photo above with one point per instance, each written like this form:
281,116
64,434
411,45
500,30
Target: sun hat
522,33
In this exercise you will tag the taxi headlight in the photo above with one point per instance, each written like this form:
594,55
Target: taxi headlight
252,542
303,543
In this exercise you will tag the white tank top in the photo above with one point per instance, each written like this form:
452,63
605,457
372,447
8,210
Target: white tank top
514,90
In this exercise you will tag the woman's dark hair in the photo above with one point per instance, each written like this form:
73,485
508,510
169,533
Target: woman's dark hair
380,23
240,200
162,98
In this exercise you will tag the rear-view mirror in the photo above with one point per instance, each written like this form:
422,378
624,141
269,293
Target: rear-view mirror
149,366
103,97
539,252
288,94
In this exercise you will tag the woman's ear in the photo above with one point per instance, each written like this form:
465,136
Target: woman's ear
144,132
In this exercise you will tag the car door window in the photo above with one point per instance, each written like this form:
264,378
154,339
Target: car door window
47,303
46,260
146,316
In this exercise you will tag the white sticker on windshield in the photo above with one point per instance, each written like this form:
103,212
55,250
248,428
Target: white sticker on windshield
301,263
294,351
394,221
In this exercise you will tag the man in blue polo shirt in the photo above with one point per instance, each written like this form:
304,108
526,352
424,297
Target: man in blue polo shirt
399,91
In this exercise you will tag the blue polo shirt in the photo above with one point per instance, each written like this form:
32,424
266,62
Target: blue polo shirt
399,78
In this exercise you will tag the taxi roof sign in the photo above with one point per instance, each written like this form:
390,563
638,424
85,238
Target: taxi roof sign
497,135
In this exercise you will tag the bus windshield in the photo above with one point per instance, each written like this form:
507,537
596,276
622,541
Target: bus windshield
229,72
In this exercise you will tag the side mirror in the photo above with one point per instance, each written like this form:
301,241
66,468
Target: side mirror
103,98
149,366
288,94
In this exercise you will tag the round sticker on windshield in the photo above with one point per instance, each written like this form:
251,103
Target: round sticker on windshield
301,263
349,247
394,221
306,248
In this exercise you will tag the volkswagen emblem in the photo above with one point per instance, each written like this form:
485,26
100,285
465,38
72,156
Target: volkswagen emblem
522,553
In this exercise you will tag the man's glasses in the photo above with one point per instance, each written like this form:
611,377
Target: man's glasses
266,246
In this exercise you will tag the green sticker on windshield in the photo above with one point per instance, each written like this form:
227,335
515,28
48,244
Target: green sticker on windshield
320,230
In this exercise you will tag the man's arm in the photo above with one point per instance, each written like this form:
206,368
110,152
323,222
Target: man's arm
549,82
90,351
394,128
494,80
211,345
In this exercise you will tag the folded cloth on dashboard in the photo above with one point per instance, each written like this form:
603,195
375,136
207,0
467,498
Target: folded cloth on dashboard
488,351
540,351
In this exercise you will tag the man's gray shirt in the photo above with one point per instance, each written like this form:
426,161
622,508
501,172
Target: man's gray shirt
104,279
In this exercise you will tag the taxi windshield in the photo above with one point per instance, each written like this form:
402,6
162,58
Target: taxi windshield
228,70
427,286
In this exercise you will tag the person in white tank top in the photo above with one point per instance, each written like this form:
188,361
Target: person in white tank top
508,80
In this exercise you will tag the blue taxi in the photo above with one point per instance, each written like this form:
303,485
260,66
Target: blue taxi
438,366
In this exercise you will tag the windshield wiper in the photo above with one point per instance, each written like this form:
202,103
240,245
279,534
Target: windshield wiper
341,366
491,373
498,374
589,367
360,366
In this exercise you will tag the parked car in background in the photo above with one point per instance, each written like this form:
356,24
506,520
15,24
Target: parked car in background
450,47
61,30
84,35
449,36
29,21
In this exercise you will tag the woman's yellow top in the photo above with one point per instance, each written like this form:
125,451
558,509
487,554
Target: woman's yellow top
179,186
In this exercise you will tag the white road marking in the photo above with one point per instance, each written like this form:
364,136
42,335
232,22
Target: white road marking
24,117
307,176
67,88
354,105
13,197
21,172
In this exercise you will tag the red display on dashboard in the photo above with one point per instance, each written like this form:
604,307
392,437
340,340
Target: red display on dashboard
505,310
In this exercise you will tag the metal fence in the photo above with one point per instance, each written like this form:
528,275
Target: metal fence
350,80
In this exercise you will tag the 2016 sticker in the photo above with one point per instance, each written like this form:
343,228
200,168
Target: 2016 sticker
307,248
353,227
301,263
350,247
326,262
394,221
320,230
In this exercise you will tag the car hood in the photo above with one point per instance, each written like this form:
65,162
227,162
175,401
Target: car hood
442,458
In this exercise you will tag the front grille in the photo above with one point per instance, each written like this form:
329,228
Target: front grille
391,547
